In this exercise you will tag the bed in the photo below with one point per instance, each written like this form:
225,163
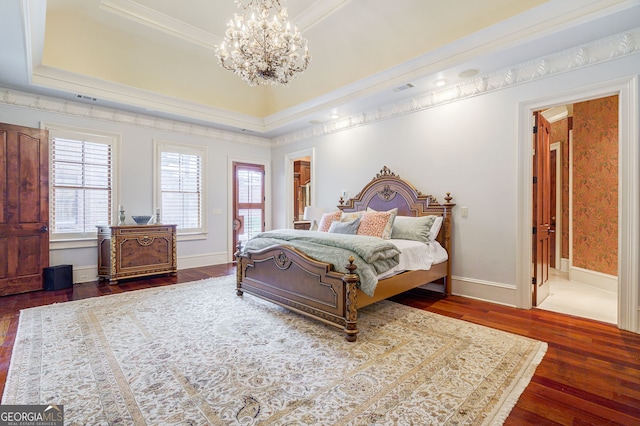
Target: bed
288,277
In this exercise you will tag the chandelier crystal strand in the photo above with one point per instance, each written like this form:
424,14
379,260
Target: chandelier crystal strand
262,48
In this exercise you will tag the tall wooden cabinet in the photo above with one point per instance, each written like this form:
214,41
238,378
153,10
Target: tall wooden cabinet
130,251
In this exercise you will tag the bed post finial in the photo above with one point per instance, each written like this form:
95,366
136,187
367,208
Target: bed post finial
448,198
351,267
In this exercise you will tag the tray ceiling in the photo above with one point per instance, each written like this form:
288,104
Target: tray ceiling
157,56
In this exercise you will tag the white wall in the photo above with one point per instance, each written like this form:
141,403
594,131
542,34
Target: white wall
467,147
136,181
470,147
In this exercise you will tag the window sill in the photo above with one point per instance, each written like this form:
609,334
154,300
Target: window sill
73,243
93,241
192,236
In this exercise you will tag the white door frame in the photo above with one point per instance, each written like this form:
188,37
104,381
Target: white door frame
628,190
557,147
288,179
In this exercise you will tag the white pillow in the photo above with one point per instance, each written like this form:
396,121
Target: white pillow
435,228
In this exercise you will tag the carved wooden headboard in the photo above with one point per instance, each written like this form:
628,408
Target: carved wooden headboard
387,191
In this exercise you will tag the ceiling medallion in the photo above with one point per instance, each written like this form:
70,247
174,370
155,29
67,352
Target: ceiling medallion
260,45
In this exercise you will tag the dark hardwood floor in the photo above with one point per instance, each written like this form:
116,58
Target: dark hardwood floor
589,376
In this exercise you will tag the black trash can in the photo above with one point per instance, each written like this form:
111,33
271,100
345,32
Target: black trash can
58,277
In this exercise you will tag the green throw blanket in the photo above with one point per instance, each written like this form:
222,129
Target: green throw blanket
373,255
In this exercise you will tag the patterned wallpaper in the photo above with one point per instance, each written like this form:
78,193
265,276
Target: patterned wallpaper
595,185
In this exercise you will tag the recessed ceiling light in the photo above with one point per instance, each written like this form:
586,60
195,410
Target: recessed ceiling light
440,82
468,73
334,116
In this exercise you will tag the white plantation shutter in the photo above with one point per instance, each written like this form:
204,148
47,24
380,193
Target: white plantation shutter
181,187
82,182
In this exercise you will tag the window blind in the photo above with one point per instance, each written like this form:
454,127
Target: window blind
181,189
82,186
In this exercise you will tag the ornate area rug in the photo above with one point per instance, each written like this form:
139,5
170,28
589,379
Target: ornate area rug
197,354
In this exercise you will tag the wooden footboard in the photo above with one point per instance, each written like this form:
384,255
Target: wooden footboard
286,276
283,275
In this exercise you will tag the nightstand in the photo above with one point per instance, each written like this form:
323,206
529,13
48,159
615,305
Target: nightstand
302,224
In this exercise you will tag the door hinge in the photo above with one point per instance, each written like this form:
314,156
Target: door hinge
535,180
535,230
535,129
533,280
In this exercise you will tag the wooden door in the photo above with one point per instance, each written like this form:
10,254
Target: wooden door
248,201
24,208
541,209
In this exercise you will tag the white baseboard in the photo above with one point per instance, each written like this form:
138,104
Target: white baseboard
197,261
488,291
83,274
564,265
594,279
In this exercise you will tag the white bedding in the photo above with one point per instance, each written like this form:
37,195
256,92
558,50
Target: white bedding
416,255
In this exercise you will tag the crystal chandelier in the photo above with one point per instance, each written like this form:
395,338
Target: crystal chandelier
260,45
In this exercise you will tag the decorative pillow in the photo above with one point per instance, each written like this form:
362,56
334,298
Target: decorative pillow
345,227
348,217
387,229
326,219
435,228
373,223
413,228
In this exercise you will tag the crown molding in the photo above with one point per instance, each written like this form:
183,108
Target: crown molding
110,92
158,21
60,106
599,51
317,12
151,18
596,52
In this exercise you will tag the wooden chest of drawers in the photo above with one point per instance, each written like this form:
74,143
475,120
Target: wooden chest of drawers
136,250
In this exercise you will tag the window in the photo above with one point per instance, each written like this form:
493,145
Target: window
249,201
82,182
180,186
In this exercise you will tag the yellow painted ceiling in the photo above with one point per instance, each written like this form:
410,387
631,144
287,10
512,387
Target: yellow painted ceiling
165,46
